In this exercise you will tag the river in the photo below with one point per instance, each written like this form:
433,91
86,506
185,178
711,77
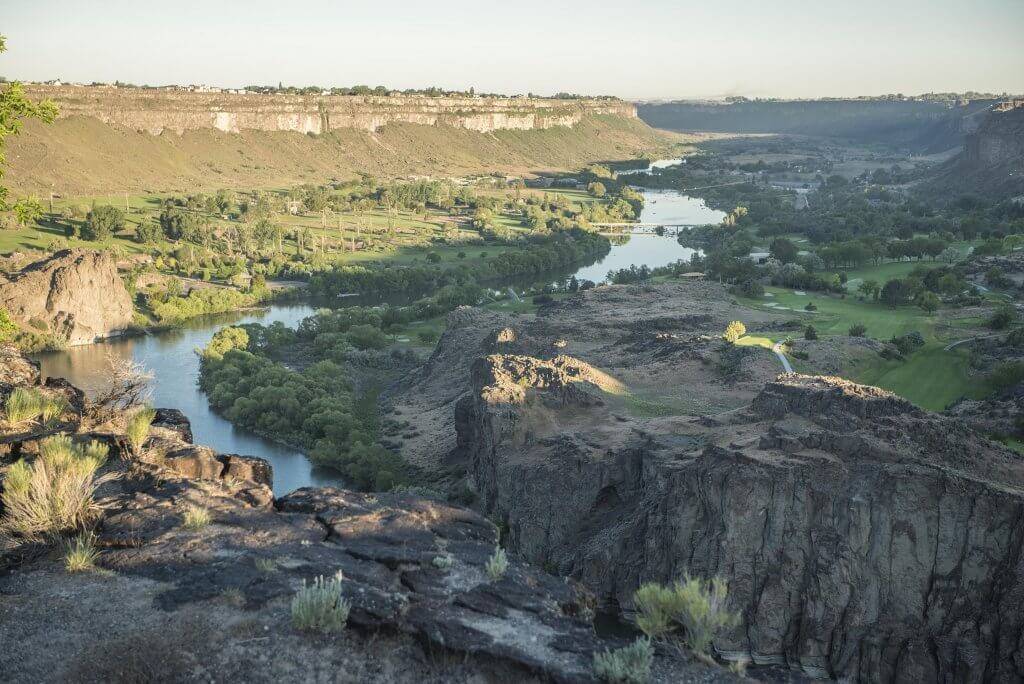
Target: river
170,356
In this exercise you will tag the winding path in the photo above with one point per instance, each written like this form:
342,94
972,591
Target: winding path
777,348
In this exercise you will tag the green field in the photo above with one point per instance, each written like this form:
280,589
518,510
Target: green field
931,377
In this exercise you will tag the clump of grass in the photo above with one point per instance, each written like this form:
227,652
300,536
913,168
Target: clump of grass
266,565
81,554
442,562
137,429
696,605
23,405
53,407
195,517
319,607
497,564
52,494
628,665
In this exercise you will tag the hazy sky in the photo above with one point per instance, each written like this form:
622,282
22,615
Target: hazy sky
631,48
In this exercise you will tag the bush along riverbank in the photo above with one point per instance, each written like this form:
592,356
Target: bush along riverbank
557,251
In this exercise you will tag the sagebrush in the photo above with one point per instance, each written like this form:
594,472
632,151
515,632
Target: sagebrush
319,607
628,665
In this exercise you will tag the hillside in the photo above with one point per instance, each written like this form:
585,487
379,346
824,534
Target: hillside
92,150
922,126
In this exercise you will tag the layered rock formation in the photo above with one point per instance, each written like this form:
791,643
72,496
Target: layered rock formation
861,537
155,111
173,603
619,441
76,295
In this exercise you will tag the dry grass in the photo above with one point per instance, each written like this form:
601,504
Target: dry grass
195,517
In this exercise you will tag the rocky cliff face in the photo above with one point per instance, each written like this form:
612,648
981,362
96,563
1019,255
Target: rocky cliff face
155,111
76,295
999,138
619,441
862,538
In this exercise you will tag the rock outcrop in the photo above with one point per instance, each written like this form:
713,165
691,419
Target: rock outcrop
862,538
180,603
76,295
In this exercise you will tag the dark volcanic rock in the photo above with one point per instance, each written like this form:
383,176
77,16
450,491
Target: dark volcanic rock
862,538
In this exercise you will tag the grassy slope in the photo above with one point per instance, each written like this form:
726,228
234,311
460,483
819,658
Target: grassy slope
83,156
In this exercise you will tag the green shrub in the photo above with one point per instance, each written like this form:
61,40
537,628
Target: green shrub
52,494
39,324
442,562
8,328
319,607
734,331
137,429
696,605
858,330
81,553
628,665
810,333
497,564
1003,317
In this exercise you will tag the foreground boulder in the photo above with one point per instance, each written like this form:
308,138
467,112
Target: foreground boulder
862,538
75,294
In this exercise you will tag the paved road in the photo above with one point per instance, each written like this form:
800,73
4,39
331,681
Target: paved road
777,348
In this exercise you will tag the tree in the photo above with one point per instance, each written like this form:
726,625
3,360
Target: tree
102,222
894,292
147,232
734,331
597,189
928,301
949,255
26,210
810,333
8,328
783,250
870,289
15,107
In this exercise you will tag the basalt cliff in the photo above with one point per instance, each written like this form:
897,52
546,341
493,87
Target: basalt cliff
619,441
157,110
169,601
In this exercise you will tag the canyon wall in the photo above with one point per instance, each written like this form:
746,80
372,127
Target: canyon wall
155,111
999,138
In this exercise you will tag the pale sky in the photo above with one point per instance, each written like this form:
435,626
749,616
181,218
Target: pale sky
636,49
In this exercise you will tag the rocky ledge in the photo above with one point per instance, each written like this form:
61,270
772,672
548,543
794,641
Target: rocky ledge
173,602
862,538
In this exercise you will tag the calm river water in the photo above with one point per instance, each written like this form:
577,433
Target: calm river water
170,356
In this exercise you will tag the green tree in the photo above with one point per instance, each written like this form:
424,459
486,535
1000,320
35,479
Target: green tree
148,232
928,301
783,250
26,210
102,222
15,107
870,289
597,189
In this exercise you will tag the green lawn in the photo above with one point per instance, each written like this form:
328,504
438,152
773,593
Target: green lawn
930,377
